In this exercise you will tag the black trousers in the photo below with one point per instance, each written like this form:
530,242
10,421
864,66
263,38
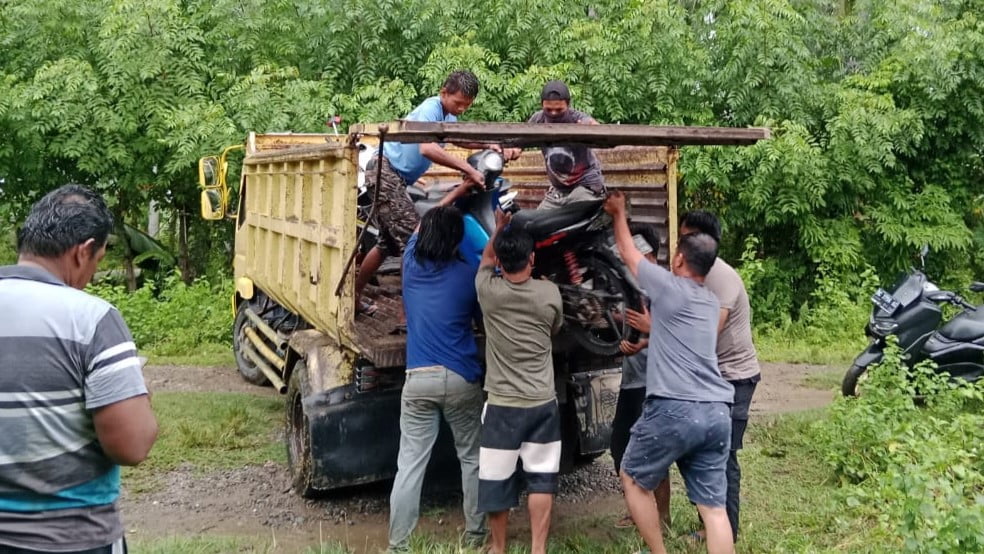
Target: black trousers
744,389
628,408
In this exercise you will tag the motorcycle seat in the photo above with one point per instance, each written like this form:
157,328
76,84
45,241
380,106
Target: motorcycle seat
541,223
965,327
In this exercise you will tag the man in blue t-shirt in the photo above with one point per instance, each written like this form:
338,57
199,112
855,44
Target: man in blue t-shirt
686,418
403,163
443,372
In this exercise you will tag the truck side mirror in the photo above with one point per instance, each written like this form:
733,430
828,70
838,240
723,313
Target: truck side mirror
212,205
208,172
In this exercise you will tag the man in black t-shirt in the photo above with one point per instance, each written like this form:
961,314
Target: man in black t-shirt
573,169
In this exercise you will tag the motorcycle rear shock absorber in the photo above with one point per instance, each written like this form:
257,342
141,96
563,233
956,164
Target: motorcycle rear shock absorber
573,270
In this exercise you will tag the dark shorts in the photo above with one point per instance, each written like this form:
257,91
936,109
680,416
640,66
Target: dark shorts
694,435
395,215
514,441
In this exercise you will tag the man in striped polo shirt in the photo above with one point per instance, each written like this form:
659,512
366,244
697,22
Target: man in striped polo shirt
72,397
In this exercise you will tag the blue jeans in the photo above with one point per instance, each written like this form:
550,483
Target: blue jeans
428,394
694,435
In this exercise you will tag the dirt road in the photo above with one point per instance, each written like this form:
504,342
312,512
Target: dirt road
256,501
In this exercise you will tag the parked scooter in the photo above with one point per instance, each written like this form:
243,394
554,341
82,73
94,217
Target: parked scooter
574,249
911,310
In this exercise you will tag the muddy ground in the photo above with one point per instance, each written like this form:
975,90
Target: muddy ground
256,501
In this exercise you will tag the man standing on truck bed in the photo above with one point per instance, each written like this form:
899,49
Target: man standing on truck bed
573,169
521,420
737,358
403,164
686,418
443,371
73,401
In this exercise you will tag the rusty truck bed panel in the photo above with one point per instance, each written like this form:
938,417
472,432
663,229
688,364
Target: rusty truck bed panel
299,211
647,174
297,229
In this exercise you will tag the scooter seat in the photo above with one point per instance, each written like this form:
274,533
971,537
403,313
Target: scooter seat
541,223
966,327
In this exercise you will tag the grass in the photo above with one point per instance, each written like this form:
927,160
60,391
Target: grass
826,380
783,347
210,430
789,502
208,355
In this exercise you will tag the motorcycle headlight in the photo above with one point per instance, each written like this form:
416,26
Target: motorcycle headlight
884,328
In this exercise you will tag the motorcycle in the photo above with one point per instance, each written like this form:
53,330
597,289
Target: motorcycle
911,310
574,248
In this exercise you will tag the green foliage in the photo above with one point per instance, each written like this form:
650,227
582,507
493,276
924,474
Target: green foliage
174,319
876,107
915,468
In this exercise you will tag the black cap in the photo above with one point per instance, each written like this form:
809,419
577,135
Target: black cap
555,90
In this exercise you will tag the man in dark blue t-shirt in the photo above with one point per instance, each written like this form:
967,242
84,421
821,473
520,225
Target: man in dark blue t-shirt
443,371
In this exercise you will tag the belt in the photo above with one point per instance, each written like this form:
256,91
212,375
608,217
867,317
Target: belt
428,369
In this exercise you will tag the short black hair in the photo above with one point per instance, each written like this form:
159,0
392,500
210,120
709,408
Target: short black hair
699,251
513,247
441,231
462,81
702,221
63,218
647,231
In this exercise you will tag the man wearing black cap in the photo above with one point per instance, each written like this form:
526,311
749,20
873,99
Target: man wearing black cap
573,169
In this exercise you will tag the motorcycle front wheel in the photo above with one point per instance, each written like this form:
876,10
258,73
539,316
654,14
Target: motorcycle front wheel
596,309
849,387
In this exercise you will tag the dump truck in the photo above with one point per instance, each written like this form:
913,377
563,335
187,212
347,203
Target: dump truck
297,230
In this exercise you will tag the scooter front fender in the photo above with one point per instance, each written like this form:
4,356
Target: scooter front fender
873,354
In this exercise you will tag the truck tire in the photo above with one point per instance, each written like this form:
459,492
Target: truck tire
247,369
297,432
849,387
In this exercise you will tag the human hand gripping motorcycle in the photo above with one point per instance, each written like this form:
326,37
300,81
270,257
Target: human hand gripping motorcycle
640,322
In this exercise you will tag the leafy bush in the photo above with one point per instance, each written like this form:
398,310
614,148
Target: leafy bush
908,452
174,319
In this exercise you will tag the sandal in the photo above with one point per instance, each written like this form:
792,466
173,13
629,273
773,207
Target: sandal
695,537
366,306
624,522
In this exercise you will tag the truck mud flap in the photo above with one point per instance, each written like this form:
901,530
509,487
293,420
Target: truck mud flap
594,395
356,439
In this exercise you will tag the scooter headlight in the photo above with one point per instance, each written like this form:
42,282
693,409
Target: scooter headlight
884,328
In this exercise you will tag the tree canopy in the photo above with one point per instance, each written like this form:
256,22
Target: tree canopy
877,108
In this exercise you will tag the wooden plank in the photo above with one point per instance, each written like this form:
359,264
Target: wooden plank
543,134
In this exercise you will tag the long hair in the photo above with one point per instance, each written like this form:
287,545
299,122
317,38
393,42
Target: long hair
441,231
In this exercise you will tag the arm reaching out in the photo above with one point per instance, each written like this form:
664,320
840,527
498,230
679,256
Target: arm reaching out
615,206
433,152
488,255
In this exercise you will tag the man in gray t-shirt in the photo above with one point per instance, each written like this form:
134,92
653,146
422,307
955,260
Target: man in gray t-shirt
573,169
736,353
686,417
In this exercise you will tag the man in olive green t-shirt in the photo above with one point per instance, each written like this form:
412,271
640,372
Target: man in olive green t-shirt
521,419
